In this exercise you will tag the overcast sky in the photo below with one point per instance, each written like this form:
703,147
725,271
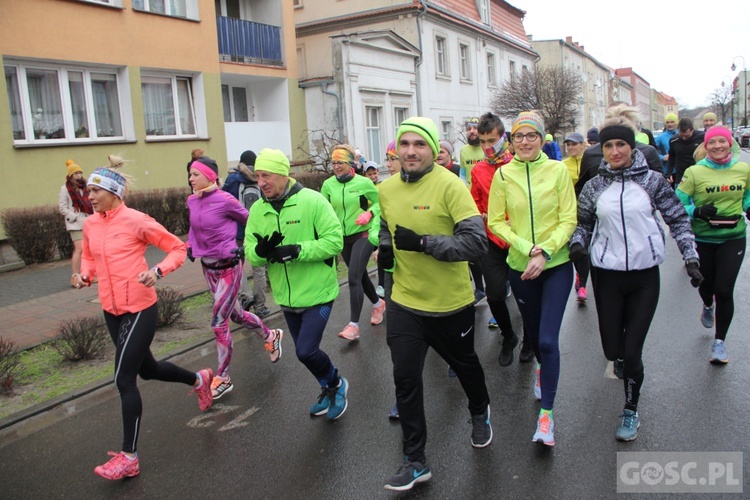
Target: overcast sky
684,49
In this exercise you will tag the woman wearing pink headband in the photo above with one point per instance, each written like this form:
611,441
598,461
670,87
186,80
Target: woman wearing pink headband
715,194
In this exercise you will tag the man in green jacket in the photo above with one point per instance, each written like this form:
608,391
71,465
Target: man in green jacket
295,232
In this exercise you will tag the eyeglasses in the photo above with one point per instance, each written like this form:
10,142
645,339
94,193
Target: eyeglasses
339,163
531,137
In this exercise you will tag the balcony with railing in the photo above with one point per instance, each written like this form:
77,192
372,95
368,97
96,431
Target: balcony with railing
249,42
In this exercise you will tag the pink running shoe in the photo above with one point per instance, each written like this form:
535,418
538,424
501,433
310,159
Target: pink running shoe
118,467
377,313
350,332
582,295
205,398
274,346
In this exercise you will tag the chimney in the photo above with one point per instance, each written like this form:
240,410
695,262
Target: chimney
569,39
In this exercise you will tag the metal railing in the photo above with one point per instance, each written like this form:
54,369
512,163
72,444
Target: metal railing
249,42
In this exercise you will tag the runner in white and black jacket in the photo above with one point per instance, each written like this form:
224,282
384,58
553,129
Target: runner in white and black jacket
618,227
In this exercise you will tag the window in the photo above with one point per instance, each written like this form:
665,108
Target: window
512,69
168,106
235,105
484,10
374,148
399,115
491,73
176,8
440,53
446,130
463,54
63,104
298,4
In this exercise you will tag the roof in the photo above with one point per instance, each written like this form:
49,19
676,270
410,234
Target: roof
504,18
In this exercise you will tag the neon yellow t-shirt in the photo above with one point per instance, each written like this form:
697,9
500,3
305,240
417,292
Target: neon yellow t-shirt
432,206
468,157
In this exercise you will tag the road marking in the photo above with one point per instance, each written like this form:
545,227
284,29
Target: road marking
238,422
202,421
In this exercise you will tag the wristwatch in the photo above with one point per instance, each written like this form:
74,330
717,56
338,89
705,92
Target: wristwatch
156,270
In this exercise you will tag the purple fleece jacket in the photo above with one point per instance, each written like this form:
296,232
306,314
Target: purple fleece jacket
213,224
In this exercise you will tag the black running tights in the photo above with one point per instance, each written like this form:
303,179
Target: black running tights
720,265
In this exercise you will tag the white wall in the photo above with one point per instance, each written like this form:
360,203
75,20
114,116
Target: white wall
242,136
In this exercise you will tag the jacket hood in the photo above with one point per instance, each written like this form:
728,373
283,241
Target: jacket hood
639,167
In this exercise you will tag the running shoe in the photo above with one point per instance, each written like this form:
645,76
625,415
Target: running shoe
506,351
274,346
262,311
350,332
451,373
718,353
545,429
205,399
220,386
246,302
538,383
377,313
481,430
629,424
707,316
619,368
393,412
339,402
407,475
380,291
479,296
118,467
582,296
527,352
320,407
492,323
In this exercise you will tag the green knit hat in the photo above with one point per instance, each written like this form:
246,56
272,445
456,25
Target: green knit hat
671,117
272,160
422,126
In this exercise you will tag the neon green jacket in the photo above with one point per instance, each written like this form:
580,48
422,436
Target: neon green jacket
539,199
305,219
350,199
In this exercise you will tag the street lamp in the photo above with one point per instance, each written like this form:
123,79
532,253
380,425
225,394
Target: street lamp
744,82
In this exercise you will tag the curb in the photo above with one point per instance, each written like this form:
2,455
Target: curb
51,404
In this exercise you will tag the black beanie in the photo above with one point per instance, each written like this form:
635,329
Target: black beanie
248,158
617,132
209,163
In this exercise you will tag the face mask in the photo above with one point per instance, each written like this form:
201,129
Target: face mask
497,148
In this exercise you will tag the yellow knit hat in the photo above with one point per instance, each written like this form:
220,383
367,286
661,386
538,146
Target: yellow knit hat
272,160
72,168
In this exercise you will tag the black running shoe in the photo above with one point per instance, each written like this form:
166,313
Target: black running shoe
506,351
527,353
481,430
407,475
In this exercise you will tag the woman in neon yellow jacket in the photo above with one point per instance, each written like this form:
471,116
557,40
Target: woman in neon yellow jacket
532,206
354,199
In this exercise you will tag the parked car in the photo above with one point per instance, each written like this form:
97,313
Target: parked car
742,136
738,133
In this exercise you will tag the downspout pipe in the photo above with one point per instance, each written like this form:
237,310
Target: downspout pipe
420,59
324,87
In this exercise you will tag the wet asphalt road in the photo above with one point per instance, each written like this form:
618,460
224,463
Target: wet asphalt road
259,442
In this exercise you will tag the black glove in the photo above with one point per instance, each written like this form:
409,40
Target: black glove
577,252
266,245
385,257
190,254
705,212
693,271
408,240
284,253
238,255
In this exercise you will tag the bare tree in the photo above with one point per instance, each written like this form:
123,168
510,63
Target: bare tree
553,91
319,147
721,102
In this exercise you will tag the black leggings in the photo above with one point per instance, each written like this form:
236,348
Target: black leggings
720,265
356,255
495,270
132,334
582,268
625,304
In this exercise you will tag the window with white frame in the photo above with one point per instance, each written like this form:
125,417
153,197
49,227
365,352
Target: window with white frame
484,10
175,8
235,104
446,130
491,69
441,60
168,106
373,128
63,103
114,3
465,61
399,115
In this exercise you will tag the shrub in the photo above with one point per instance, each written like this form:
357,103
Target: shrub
171,307
313,179
167,206
9,362
33,232
64,243
82,338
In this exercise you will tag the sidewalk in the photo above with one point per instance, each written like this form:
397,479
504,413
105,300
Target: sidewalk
34,300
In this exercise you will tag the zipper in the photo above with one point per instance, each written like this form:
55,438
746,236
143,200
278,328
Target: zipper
343,205
286,271
531,204
622,219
